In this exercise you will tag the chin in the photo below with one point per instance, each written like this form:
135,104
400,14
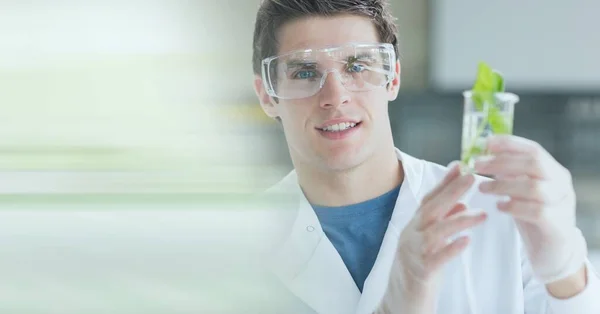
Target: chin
342,160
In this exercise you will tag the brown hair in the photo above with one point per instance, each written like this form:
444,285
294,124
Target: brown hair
273,14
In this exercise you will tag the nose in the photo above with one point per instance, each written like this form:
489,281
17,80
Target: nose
333,93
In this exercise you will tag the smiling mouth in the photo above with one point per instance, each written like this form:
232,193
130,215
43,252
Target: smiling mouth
339,127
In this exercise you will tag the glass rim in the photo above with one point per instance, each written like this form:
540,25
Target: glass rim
385,45
503,96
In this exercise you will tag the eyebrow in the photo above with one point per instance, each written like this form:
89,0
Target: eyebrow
363,56
298,63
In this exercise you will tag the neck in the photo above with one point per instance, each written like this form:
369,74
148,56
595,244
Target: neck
374,177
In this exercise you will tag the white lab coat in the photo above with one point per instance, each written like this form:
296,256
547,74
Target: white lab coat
494,268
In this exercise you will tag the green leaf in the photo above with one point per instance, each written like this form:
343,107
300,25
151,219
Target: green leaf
485,85
498,123
488,82
473,151
499,82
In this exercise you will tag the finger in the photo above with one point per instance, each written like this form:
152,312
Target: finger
523,210
526,189
453,172
510,165
444,255
457,209
505,143
516,188
437,235
440,204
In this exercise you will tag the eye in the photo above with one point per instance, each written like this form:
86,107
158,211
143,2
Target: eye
304,74
355,67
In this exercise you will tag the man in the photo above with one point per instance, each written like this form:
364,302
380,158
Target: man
376,230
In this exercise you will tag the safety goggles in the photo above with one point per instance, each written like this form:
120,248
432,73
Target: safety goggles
302,73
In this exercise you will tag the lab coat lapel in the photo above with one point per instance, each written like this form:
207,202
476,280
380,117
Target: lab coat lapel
310,266
405,208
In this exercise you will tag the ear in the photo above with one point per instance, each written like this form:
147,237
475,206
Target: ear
394,86
264,98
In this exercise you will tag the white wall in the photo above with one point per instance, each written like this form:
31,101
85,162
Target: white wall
538,44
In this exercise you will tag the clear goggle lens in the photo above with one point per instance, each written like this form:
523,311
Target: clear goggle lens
300,74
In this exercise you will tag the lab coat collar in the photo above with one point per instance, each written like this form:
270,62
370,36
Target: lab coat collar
310,266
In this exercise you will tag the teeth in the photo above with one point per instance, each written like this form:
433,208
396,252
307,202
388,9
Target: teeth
339,127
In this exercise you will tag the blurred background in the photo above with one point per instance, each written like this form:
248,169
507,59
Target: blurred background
125,125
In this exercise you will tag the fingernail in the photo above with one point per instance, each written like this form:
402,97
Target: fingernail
502,205
484,158
479,216
476,212
469,177
504,198
452,164
483,161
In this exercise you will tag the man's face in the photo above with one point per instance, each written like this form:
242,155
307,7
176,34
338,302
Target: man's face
304,120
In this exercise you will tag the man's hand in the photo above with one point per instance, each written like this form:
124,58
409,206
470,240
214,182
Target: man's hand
424,246
542,202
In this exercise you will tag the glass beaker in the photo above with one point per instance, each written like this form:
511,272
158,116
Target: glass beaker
485,114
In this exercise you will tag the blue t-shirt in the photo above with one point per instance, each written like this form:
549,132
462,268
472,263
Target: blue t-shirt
357,230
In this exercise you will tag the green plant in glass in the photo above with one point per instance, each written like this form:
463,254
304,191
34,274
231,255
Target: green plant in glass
488,110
